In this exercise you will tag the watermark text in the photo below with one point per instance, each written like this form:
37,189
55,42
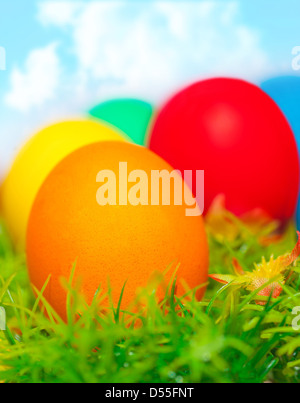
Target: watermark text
2,58
163,188
296,59
296,321
2,318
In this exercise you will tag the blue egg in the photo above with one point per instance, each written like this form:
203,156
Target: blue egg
285,91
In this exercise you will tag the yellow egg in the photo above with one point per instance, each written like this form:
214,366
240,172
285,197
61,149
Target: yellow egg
34,163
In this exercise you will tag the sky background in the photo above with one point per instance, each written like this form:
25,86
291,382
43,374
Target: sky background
63,57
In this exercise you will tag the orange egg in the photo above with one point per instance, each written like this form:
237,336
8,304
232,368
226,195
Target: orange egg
111,243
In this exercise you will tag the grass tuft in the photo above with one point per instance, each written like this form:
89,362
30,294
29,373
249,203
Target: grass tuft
225,338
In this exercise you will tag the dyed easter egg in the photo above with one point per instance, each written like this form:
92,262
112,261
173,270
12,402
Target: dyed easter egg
132,116
285,91
35,161
84,214
238,135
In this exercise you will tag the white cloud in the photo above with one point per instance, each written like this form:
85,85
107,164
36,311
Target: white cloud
116,48
38,82
143,49
62,12
148,49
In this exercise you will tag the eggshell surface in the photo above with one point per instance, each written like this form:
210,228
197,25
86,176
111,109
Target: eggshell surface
236,133
35,161
132,116
110,243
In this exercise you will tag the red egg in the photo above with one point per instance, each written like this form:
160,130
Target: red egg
237,134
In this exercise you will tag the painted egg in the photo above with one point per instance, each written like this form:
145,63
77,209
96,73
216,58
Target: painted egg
35,161
97,208
238,135
285,91
132,116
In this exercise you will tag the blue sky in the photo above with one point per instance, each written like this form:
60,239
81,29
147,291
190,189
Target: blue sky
62,57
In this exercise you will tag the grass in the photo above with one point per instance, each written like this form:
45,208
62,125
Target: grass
225,338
